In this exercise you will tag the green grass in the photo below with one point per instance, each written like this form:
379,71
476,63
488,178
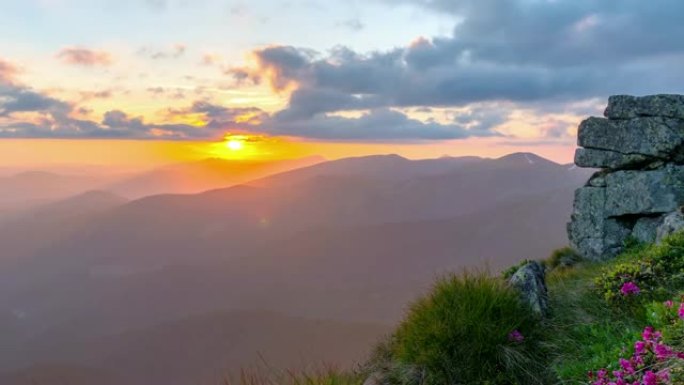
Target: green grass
459,334
326,376
583,330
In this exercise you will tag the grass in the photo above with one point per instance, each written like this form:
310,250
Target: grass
583,330
325,376
460,333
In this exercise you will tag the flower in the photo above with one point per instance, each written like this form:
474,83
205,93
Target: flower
681,311
516,336
668,304
629,288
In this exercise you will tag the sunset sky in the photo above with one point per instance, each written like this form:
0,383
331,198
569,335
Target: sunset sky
157,81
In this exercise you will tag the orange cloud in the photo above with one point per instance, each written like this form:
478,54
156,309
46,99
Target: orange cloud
7,71
84,57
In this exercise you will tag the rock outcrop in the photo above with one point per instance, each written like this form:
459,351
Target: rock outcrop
530,280
639,149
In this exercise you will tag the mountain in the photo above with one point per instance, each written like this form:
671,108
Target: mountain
350,240
25,232
195,177
31,188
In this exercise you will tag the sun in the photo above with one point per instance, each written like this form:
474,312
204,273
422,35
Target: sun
235,144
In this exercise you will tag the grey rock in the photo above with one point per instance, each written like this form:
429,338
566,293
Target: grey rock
640,151
598,179
627,107
615,233
644,192
671,223
530,280
592,158
586,228
654,137
645,229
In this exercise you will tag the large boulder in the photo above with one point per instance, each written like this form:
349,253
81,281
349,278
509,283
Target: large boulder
593,158
646,229
586,230
639,149
655,137
530,281
628,107
644,192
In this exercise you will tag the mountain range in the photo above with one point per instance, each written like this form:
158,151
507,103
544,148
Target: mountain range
342,244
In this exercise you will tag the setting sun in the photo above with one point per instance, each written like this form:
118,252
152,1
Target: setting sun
235,145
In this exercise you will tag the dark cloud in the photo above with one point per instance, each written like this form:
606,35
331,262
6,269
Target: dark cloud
84,57
528,53
378,124
14,98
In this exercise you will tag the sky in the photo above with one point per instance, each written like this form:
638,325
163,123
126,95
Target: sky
157,81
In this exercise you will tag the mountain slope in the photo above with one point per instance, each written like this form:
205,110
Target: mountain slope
188,178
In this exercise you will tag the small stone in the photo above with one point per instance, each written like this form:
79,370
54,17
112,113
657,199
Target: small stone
671,223
597,180
530,281
627,107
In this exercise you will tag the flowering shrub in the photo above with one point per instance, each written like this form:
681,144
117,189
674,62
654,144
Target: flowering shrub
653,361
629,288
654,270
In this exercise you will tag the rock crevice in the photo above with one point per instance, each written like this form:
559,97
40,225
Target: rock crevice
638,147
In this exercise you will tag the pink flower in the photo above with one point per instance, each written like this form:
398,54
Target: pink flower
681,311
516,336
640,347
663,351
668,304
647,334
629,288
650,378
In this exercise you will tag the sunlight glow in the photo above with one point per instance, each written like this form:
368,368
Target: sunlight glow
235,144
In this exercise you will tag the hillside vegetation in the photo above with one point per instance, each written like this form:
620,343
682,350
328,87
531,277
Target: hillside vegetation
610,323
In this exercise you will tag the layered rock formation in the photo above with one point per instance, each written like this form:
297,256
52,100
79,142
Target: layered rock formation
639,147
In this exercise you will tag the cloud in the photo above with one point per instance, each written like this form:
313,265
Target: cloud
174,52
8,71
15,98
220,116
158,5
84,57
353,24
540,55
377,124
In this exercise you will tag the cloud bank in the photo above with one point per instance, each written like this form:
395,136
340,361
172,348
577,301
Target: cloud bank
546,56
